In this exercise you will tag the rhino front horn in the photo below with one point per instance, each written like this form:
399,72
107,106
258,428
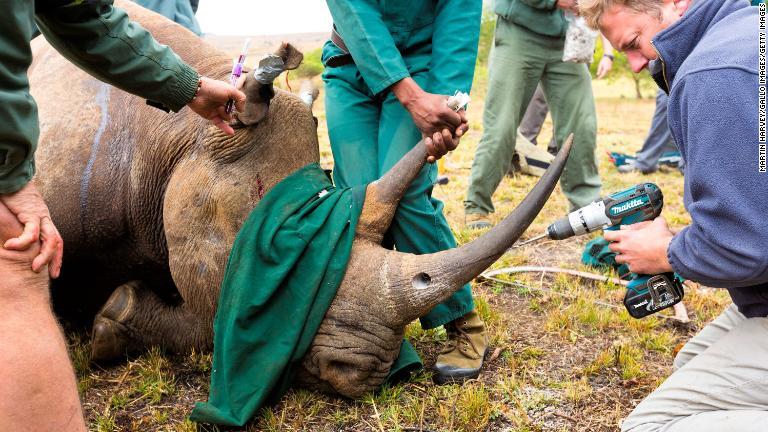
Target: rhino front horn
430,279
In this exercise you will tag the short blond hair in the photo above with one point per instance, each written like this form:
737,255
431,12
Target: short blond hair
592,10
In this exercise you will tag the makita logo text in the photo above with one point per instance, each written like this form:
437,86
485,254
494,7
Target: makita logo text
627,205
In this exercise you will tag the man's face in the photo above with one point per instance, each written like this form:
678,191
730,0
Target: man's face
631,32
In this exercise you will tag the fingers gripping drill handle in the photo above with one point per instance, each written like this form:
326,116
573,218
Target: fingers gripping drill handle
646,294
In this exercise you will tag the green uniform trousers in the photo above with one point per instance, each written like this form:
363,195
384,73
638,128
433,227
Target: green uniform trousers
369,134
520,59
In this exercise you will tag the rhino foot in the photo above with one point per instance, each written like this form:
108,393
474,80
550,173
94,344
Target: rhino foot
111,339
135,318
109,342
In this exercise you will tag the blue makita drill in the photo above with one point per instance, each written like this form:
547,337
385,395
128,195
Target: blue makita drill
646,294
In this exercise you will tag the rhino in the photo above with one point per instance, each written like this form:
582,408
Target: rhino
149,205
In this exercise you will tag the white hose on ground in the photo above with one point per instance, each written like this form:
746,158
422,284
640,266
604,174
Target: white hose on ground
584,275
681,313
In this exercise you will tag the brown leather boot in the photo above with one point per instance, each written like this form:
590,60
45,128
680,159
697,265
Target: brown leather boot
462,356
477,221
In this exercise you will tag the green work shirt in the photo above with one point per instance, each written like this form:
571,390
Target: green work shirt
98,38
381,35
540,16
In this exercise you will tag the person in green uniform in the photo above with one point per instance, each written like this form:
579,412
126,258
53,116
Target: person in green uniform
388,69
38,390
528,49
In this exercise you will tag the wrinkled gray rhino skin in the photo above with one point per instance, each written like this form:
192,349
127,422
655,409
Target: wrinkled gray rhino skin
149,205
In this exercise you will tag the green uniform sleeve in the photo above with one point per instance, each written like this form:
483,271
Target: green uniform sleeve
104,42
454,45
360,24
18,128
541,4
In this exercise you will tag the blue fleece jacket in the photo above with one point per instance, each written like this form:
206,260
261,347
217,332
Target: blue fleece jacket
710,61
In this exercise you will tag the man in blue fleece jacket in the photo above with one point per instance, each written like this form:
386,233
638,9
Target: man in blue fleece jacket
705,55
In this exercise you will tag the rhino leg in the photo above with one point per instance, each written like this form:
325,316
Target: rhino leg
135,318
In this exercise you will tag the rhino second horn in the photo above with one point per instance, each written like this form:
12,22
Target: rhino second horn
383,195
423,281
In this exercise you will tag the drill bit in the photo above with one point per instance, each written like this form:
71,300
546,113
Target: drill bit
537,238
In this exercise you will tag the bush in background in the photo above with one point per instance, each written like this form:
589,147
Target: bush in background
311,66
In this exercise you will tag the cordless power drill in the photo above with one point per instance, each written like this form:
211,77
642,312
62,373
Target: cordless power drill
646,294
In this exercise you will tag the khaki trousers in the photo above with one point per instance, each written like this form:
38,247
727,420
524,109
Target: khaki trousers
720,383
521,59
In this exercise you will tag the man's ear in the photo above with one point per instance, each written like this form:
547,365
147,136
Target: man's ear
258,87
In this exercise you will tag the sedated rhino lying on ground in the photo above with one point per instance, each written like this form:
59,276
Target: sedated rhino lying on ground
149,205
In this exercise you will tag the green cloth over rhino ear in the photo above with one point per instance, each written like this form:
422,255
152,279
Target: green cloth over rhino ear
286,264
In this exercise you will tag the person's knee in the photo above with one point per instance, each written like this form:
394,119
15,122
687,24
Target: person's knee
18,282
640,421
640,427
681,359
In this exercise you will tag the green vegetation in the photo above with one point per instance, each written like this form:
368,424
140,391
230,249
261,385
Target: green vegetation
312,66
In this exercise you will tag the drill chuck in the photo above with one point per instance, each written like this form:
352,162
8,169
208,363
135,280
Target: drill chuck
584,220
560,229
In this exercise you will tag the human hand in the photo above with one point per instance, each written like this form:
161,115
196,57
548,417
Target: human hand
20,261
29,208
440,143
429,111
605,65
642,246
211,100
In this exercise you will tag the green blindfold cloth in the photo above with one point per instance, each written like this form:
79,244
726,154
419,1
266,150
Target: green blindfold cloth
283,272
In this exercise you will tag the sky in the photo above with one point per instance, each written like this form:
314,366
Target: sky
263,17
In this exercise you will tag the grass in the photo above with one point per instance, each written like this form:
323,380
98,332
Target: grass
558,363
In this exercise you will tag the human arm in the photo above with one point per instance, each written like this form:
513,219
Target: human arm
606,61
83,33
18,139
725,244
454,52
103,41
371,45
361,25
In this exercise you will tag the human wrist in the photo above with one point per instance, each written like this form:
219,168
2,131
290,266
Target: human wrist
407,91
664,255
611,57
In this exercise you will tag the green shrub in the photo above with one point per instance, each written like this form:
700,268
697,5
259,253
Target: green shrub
311,66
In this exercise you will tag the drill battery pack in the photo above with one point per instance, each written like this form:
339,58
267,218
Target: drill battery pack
647,295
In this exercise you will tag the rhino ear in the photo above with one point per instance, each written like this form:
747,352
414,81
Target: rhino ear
258,87
291,56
